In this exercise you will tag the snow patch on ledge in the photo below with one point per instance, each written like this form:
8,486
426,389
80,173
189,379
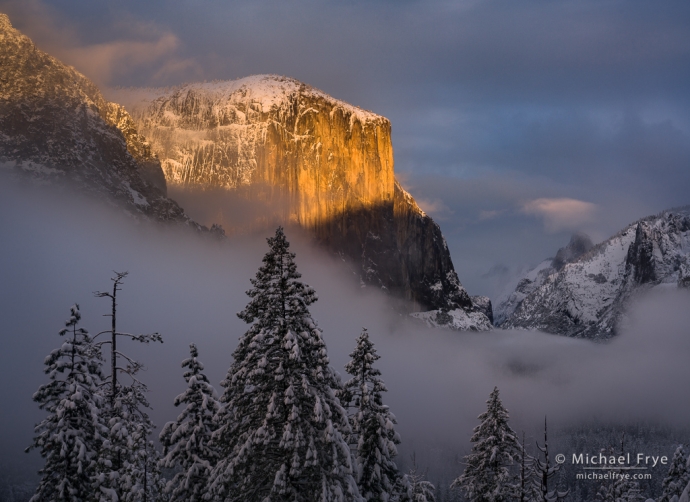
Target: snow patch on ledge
137,198
457,320
267,91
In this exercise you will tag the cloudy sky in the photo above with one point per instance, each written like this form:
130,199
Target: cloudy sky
514,123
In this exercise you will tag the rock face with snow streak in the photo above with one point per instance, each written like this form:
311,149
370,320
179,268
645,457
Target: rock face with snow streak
587,297
483,305
532,280
56,126
330,164
455,320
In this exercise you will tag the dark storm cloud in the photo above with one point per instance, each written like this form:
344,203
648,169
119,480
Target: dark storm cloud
492,49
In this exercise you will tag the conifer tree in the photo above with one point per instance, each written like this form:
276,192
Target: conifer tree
677,478
541,472
122,471
140,476
71,436
685,496
187,440
128,462
280,429
527,489
373,437
496,446
621,489
417,487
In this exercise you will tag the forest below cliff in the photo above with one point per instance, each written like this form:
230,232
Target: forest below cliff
594,395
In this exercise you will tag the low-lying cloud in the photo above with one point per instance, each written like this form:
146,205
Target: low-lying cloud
56,251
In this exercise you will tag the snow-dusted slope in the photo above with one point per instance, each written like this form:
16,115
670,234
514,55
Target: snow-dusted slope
457,319
525,284
587,297
329,163
56,126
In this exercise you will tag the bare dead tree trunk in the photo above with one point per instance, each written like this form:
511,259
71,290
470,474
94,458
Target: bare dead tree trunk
117,281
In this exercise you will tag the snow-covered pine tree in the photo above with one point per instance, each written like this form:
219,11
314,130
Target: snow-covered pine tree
139,474
415,486
685,496
187,440
126,466
527,490
70,437
677,478
620,489
487,476
541,472
280,429
373,437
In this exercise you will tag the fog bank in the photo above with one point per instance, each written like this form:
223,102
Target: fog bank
57,250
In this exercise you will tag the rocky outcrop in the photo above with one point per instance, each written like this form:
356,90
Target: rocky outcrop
483,304
533,279
455,319
56,126
147,162
684,276
587,297
579,244
327,164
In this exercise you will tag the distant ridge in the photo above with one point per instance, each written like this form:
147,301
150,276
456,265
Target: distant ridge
587,297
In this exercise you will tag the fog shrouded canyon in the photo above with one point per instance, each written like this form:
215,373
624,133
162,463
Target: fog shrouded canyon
189,288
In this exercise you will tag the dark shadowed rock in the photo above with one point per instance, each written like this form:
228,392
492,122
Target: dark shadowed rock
579,244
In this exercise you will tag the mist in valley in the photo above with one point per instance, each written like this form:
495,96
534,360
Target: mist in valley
57,249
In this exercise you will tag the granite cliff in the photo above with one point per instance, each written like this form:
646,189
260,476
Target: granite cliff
331,164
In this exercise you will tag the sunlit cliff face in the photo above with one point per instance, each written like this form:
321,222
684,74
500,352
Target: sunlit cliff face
324,156
266,149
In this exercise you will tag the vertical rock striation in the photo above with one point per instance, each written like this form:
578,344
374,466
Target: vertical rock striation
330,164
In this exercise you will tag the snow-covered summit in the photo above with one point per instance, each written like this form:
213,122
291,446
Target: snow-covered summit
216,134
587,297
259,93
